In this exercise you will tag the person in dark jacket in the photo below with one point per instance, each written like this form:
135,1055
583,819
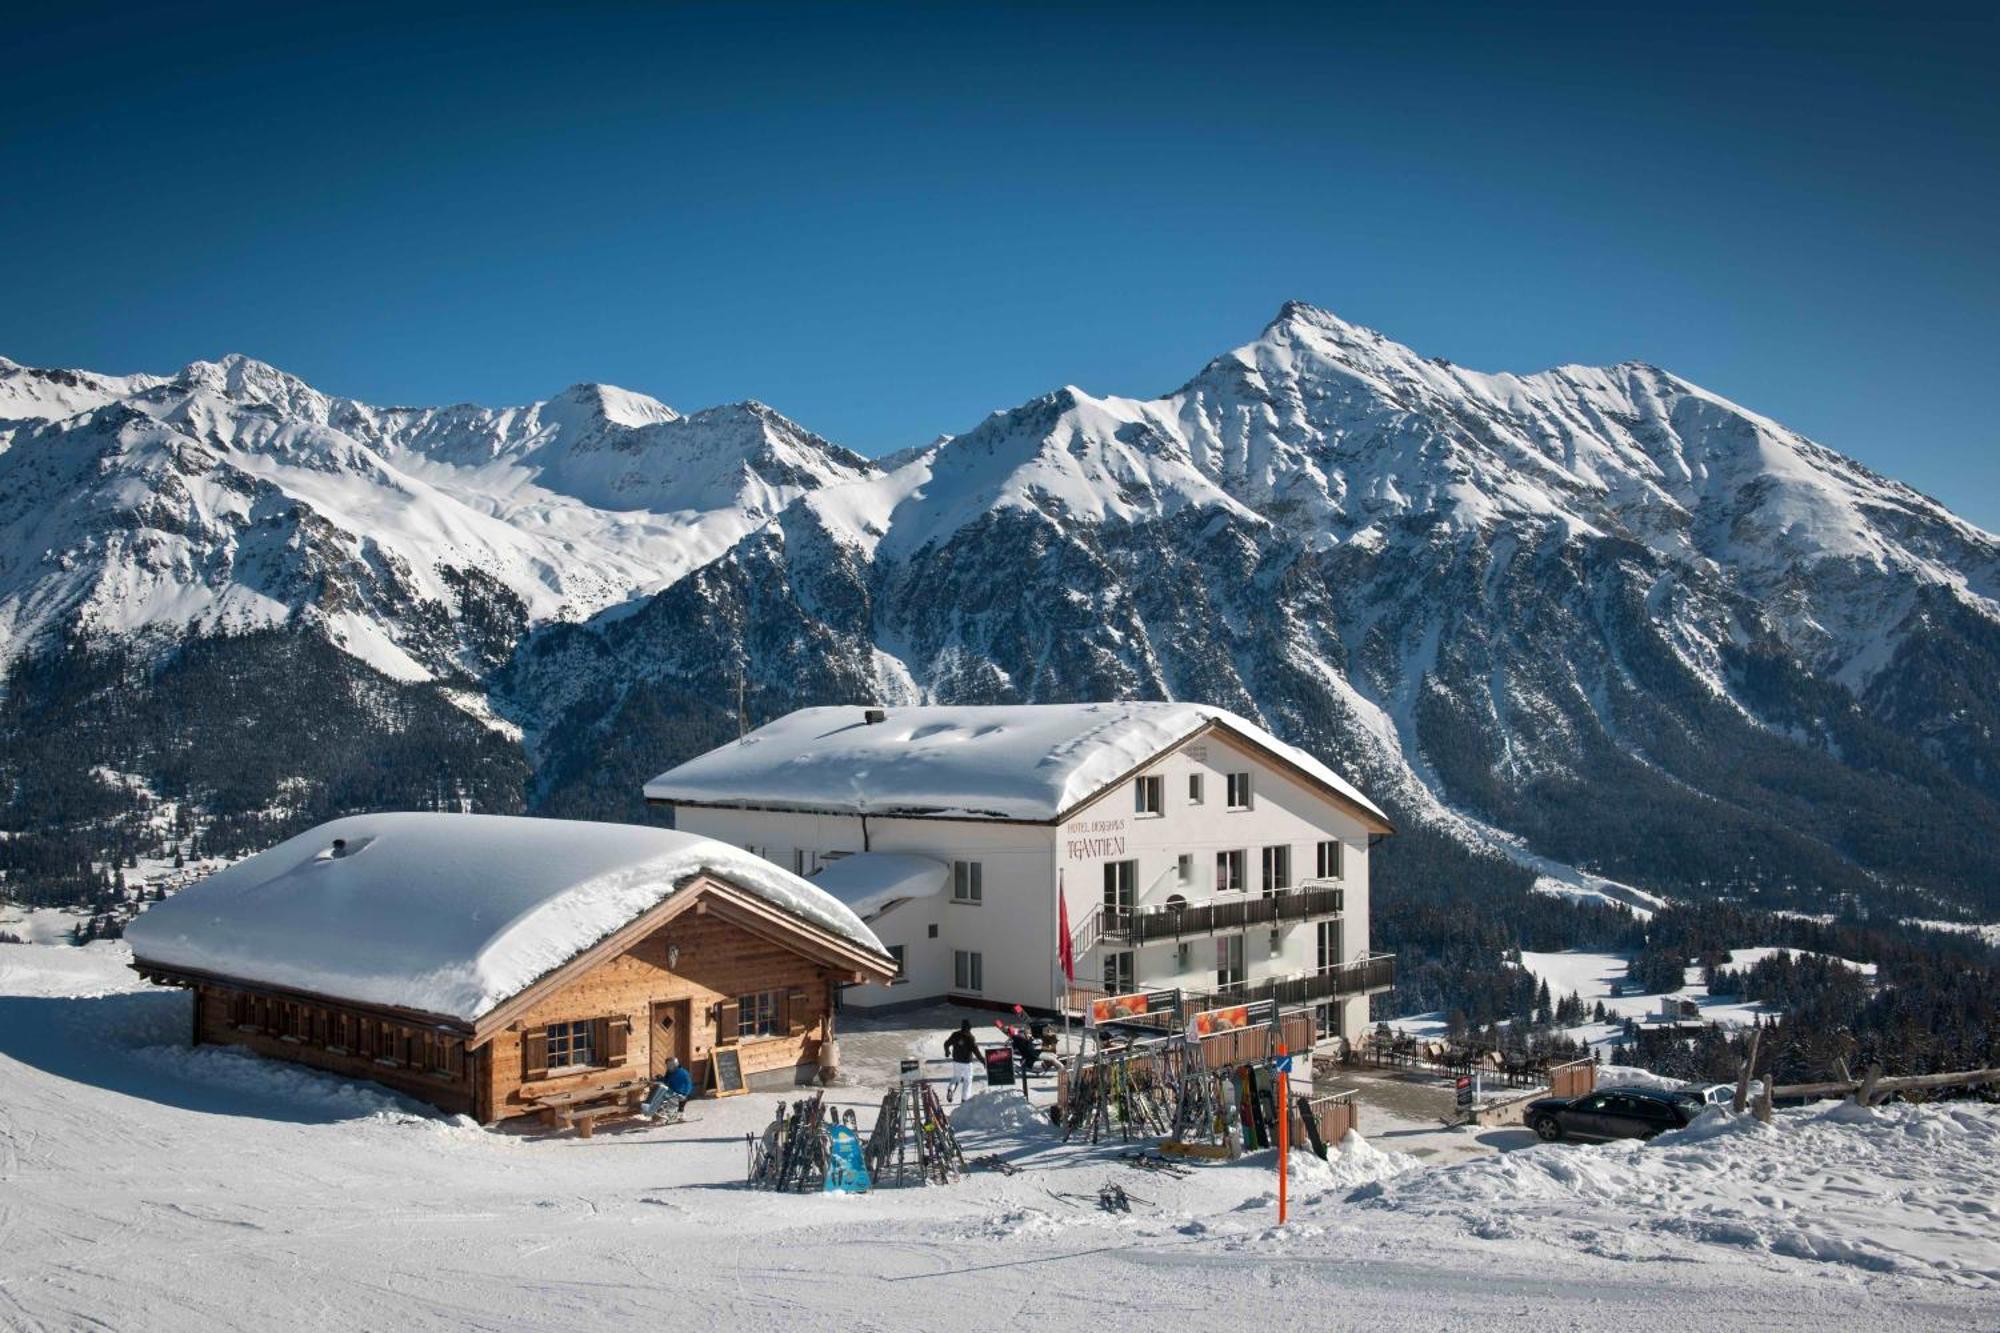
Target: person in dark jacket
962,1049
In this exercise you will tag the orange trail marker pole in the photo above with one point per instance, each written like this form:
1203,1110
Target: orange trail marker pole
1284,1127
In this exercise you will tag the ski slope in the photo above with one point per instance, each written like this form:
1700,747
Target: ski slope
144,1184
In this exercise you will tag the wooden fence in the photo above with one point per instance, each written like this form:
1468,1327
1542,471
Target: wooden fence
1335,1113
1573,1079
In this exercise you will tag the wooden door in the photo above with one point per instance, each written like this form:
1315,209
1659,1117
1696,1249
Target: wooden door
673,1035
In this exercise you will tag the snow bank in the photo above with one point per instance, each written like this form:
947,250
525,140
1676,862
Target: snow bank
446,914
1031,761
1001,1112
1351,1164
1904,1190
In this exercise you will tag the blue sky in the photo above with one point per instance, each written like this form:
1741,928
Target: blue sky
887,222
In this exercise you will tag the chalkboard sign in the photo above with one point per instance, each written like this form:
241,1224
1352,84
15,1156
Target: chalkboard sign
725,1071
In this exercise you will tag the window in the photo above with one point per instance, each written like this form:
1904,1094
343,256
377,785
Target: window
1328,957
757,1015
967,882
442,1056
1146,795
799,862
570,1045
897,951
968,970
1118,972
1328,860
1277,870
757,849
1239,791
1120,880
932,932
1185,867
1228,962
1229,871
1194,789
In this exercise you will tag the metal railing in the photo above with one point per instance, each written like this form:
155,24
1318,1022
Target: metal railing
1222,913
1364,976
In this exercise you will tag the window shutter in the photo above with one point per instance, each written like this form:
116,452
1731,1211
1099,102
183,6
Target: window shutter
364,1038
728,1020
535,1054
617,1031
793,1020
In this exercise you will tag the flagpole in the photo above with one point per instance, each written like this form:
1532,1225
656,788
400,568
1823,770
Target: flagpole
1065,961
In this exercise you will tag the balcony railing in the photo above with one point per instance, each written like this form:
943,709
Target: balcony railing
1363,976
1225,912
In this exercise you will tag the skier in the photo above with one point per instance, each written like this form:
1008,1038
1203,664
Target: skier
963,1050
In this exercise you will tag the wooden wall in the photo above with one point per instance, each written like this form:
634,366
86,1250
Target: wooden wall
718,961
412,1058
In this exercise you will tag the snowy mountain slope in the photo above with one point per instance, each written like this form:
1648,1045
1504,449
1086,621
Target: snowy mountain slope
1621,634
233,497
1567,617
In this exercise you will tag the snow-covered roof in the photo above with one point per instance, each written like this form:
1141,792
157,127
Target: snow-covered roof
869,881
1026,761
447,914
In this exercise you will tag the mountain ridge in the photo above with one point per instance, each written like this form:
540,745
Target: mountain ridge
1557,618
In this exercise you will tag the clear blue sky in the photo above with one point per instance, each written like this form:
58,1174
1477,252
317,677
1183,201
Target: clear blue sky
888,222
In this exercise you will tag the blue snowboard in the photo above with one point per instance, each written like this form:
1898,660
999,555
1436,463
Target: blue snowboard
845,1171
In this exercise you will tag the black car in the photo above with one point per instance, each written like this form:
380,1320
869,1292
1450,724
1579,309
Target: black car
1615,1113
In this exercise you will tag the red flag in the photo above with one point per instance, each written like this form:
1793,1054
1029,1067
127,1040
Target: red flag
1065,947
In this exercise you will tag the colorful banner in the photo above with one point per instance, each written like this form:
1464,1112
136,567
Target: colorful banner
1114,1007
1211,1021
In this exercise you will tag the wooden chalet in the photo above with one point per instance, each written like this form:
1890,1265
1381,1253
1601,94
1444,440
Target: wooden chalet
541,962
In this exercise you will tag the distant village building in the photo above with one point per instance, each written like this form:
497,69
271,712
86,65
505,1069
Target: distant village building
1190,847
492,966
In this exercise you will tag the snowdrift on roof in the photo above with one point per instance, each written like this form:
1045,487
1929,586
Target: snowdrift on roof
1027,761
447,914
870,881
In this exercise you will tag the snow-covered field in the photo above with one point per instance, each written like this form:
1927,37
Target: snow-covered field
147,1185
1595,977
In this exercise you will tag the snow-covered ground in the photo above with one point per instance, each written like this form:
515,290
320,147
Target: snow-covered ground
144,1184
1597,977
40,925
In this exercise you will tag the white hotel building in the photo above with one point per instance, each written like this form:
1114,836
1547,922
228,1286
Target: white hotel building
1192,848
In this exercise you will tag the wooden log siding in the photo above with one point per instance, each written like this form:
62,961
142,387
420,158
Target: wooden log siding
719,962
424,1062
728,948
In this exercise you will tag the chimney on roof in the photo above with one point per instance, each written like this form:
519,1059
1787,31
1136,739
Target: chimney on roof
873,715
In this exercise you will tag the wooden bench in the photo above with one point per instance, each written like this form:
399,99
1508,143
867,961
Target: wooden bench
581,1108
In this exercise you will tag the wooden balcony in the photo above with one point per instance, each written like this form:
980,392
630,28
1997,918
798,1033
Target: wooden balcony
1222,913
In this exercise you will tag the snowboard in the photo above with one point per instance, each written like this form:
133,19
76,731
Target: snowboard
1313,1140
1265,1084
846,1172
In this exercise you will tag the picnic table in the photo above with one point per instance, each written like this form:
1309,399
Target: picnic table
581,1108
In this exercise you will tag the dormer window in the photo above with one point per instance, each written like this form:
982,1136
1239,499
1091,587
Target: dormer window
1147,795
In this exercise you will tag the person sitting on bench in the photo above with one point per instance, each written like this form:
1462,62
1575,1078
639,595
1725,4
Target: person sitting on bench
675,1083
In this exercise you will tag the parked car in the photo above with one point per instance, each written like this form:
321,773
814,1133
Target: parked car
1612,1113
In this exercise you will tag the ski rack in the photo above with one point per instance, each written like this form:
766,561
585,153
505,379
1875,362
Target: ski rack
913,1138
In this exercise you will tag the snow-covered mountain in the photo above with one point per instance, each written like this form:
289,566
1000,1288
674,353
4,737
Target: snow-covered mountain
423,541
1629,636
